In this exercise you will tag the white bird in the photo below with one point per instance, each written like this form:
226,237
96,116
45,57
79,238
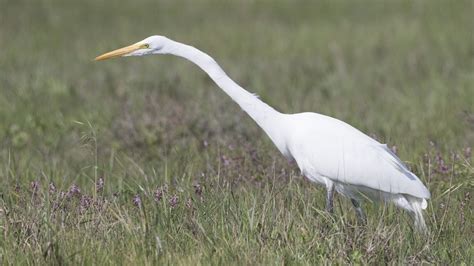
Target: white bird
327,151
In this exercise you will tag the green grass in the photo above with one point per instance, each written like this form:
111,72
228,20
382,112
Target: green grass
402,71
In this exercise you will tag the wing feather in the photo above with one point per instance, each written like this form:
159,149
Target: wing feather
344,154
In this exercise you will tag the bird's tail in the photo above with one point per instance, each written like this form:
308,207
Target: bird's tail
417,206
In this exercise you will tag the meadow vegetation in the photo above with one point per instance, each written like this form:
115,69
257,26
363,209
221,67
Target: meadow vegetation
145,161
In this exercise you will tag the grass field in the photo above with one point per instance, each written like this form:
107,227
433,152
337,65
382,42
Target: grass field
146,161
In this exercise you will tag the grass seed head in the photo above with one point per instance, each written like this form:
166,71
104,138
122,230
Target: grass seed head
52,188
99,185
34,187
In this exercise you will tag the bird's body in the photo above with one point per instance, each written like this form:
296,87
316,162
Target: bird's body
327,151
338,156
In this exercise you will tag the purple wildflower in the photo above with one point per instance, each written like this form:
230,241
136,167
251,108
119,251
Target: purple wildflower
74,190
137,201
85,202
442,167
158,194
173,201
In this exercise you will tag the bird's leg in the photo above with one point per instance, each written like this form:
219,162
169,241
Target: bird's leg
330,198
359,212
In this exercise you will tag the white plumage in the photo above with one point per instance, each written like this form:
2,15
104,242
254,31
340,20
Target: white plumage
335,154
328,151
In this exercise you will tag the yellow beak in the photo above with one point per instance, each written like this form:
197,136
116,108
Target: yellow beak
120,52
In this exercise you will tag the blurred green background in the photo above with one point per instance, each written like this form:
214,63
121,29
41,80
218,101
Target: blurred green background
401,71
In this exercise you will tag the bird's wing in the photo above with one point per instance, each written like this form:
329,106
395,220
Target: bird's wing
346,155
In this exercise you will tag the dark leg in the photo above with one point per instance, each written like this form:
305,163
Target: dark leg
359,212
330,199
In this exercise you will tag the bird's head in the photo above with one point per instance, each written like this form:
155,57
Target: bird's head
152,45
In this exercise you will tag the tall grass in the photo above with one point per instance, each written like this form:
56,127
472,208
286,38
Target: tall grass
145,161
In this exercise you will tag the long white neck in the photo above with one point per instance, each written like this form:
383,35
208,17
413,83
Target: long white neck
264,115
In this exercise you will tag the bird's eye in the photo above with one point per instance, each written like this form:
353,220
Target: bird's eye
145,46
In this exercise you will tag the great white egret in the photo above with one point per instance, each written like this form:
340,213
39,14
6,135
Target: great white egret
328,151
